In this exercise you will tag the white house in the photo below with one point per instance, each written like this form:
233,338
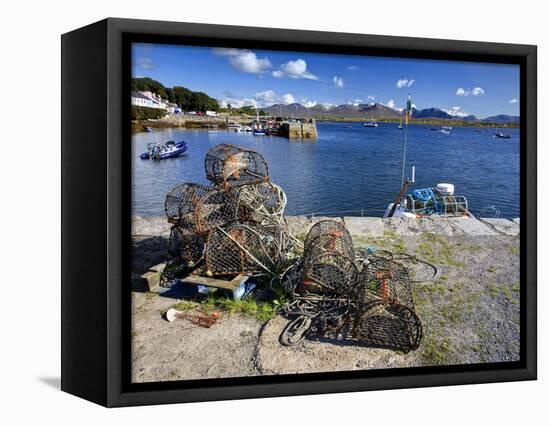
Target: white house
149,99
139,99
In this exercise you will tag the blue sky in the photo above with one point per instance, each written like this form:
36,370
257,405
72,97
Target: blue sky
263,77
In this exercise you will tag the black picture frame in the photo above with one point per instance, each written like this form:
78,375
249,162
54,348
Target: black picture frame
96,212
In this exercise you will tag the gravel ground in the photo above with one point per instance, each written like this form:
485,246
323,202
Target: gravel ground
470,312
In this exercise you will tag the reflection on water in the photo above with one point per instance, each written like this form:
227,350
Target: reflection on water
347,168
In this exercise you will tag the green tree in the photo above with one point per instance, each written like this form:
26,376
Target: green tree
186,99
248,110
148,84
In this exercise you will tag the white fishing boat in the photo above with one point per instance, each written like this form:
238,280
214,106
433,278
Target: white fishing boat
438,201
235,127
371,124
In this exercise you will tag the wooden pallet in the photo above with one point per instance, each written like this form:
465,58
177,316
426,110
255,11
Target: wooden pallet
231,286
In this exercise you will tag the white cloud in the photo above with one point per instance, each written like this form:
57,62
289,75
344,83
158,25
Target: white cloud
476,91
513,101
267,96
224,51
263,99
338,82
245,60
294,69
456,112
145,63
391,104
371,98
328,105
354,68
288,99
404,82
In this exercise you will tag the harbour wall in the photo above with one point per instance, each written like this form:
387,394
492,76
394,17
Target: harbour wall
299,130
375,227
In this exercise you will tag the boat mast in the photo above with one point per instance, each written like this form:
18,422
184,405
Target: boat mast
407,116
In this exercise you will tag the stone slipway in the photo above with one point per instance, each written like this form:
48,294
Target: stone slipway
470,313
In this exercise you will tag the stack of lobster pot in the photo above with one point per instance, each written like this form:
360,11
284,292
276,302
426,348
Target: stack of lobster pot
373,305
236,225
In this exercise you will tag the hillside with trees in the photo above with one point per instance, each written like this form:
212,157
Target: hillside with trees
186,99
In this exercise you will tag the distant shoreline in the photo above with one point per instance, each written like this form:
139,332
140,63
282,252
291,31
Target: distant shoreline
185,122
422,122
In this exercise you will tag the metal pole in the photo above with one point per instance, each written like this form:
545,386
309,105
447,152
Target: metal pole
404,154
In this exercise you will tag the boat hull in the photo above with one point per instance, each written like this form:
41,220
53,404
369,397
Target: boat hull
180,148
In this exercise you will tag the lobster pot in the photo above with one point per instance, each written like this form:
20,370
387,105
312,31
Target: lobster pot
387,280
336,242
387,325
243,249
329,235
386,316
454,205
185,246
259,202
329,273
229,165
198,208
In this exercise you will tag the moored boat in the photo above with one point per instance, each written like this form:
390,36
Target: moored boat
235,127
438,201
371,124
503,135
170,149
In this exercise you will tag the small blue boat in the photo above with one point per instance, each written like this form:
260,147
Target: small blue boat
170,149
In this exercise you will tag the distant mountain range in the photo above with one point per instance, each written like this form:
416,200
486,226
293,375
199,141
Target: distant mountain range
375,111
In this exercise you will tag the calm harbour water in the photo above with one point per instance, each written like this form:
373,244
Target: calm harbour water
348,169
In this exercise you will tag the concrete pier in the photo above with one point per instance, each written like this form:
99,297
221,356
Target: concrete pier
299,130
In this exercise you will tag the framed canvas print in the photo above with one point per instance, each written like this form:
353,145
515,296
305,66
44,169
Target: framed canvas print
253,212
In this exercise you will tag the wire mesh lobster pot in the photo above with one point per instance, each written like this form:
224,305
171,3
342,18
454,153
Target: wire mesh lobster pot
229,165
328,273
185,246
261,201
196,208
385,314
329,236
243,249
328,265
